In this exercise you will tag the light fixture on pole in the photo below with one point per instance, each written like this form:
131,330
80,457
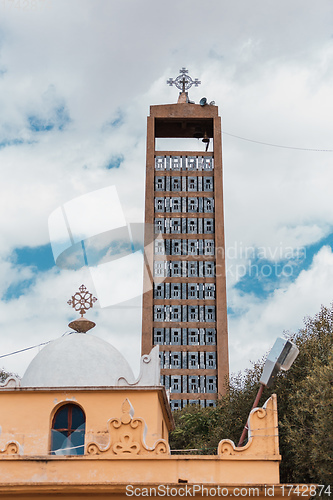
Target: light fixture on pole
281,357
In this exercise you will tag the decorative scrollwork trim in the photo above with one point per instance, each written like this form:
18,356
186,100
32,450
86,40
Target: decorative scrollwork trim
127,436
11,448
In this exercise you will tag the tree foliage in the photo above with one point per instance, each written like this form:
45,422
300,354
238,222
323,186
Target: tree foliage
305,408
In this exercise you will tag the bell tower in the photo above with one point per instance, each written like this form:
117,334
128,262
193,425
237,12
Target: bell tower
185,310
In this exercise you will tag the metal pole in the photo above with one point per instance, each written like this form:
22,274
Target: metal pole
255,404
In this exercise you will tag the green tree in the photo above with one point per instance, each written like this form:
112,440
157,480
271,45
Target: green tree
305,404
308,428
305,408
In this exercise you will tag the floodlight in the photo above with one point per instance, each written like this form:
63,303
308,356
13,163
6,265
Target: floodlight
281,357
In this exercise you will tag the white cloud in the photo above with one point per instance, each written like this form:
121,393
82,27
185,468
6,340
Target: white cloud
261,321
42,314
269,67
13,274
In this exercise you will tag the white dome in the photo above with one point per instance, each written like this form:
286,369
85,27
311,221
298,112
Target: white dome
77,360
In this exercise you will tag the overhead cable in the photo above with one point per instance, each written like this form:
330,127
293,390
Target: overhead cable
32,347
26,349
277,145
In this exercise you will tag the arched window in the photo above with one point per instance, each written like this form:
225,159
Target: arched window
67,433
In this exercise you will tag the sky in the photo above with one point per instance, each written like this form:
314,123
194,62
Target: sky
77,78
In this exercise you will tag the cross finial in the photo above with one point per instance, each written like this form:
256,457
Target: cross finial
183,82
82,301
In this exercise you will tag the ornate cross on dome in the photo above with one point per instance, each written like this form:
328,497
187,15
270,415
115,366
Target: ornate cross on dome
183,81
82,301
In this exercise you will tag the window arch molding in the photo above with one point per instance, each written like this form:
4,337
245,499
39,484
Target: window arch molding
68,422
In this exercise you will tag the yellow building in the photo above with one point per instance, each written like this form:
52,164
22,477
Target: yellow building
78,425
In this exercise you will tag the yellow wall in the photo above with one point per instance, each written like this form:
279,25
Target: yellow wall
26,415
108,467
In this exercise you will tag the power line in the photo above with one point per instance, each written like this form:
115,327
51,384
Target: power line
277,145
28,348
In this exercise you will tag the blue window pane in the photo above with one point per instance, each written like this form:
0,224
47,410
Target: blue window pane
77,417
77,441
61,418
58,440
67,434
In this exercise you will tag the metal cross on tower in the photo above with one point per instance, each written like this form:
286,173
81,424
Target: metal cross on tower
183,81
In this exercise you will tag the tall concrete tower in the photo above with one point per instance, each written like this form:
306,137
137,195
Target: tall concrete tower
185,311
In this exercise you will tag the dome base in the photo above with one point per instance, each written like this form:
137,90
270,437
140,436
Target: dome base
82,325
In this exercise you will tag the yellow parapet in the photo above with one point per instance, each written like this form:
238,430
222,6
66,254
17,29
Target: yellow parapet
105,441
263,435
129,449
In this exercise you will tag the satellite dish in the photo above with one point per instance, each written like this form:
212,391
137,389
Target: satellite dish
212,103
203,101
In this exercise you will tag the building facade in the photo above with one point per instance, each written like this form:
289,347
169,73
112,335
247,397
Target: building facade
185,311
79,425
